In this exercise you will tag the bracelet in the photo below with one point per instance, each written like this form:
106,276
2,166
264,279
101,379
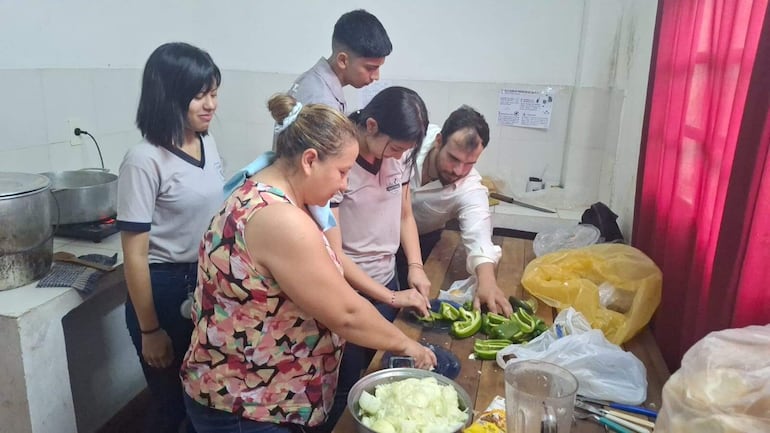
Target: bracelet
419,265
392,299
150,331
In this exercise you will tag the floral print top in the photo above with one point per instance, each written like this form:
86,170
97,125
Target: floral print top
253,351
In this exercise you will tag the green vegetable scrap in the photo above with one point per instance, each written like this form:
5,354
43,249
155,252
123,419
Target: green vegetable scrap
432,317
530,305
518,328
487,349
449,312
468,324
510,331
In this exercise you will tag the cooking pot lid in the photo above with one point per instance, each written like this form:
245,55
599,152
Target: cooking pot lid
12,184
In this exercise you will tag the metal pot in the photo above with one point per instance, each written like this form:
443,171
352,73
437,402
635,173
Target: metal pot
84,195
388,375
26,235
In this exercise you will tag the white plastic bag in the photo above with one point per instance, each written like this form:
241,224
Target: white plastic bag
460,291
603,370
723,385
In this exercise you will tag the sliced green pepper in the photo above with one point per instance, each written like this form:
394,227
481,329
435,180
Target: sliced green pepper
525,321
496,319
506,331
529,306
467,327
486,327
449,312
487,349
432,317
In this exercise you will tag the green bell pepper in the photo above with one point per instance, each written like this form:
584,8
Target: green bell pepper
487,349
449,312
507,331
470,324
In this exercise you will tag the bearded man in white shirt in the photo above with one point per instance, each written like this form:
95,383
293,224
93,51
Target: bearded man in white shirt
445,185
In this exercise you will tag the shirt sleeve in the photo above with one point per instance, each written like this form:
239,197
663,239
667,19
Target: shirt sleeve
137,190
476,228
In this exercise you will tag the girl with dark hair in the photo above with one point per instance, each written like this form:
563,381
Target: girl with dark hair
265,352
375,213
169,186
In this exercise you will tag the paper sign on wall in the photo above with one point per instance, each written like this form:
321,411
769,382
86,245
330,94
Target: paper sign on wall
525,108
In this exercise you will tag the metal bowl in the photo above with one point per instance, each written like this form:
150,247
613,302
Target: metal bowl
84,195
369,383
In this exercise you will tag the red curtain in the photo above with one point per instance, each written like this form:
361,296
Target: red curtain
697,216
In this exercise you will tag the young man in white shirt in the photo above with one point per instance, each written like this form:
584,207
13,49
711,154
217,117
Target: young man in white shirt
359,47
445,185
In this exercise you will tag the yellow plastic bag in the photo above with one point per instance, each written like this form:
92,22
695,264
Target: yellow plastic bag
628,281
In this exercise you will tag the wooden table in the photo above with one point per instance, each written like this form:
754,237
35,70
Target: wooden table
483,380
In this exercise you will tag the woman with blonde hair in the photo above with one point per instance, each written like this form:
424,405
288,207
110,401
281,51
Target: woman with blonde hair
272,309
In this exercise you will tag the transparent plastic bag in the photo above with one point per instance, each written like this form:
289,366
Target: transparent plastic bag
571,278
722,386
460,291
573,345
563,238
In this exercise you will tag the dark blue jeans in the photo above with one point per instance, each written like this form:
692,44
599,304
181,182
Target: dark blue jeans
355,360
171,282
427,242
208,420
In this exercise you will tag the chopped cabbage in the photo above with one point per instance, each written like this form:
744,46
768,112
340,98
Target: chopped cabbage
412,406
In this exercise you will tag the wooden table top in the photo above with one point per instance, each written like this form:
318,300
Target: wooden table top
483,380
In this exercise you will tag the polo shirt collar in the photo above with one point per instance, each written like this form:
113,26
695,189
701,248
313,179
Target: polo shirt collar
330,79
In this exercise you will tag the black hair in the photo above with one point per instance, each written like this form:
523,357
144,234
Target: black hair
400,114
173,75
361,33
466,117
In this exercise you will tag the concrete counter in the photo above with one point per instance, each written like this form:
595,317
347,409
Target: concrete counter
67,358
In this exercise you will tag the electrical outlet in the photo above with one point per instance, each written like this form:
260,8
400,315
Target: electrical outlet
75,140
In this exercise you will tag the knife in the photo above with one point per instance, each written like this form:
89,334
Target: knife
624,407
512,200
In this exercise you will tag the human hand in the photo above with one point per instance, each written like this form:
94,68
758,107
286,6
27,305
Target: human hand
412,298
156,349
417,279
494,298
424,358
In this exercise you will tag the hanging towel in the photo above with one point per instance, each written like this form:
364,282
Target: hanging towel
81,278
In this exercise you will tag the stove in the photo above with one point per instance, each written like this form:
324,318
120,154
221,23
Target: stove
93,231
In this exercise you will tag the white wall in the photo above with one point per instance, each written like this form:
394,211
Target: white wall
484,41
82,60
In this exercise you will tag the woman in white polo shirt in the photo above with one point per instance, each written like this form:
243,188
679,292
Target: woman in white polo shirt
169,187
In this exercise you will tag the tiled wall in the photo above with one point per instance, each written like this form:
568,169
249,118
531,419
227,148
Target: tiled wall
103,101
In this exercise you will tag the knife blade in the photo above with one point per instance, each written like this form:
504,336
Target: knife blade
512,200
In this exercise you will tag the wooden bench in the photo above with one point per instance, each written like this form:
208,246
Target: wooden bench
483,380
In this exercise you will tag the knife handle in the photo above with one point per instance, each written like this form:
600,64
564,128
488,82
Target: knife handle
627,424
634,419
613,425
634,409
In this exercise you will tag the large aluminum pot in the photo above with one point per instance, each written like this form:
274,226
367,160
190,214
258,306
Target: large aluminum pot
26,234
84,195
388,375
